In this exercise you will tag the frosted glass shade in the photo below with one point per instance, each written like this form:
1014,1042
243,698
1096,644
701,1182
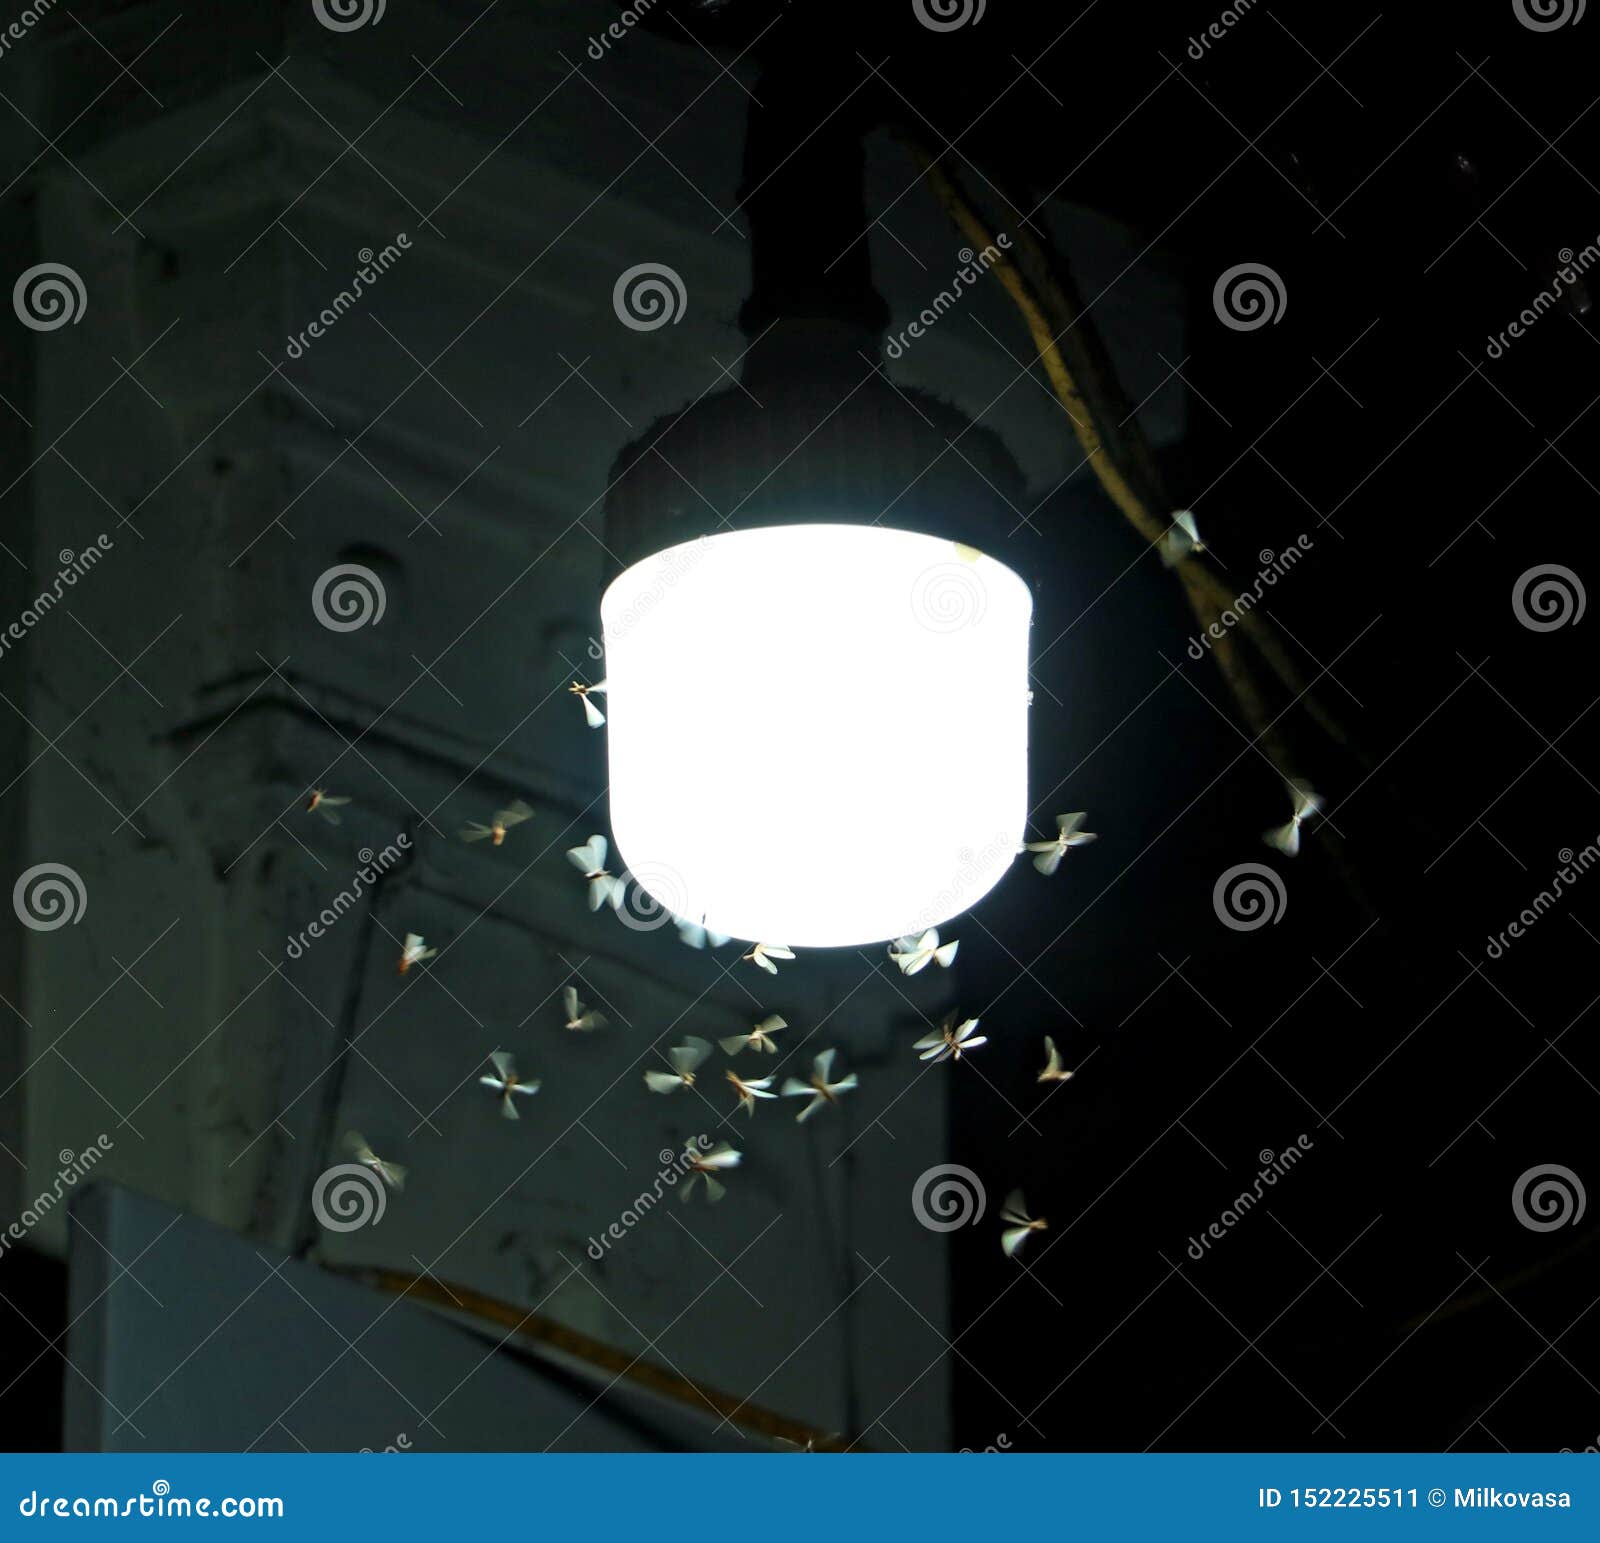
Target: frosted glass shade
818,734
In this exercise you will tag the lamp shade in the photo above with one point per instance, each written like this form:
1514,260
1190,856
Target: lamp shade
818,733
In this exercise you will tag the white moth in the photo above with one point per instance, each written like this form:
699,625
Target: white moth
319,802
706,1165
684,1058
1067,835
590,711
820,1089
506,1082
412,952
749,1089
500,822
758,1039
392,1174
950,1040
1286,838
1018,1224
1054,1068
763,954
698,935
590,861
579,1016
917,953
1181,540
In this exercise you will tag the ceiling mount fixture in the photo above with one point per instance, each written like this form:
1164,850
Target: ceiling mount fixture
817,682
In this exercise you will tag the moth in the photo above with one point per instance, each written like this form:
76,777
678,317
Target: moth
506,1083
763,954
820,1088
707,1165
749,1090
698,935
579,1016
590,861
412,952
1181,540
914,954
500,822
950,1040
759,1038
1068,834
590,711
1018,1224
684,1059
323,803
1286,838
392,1174
1054,1069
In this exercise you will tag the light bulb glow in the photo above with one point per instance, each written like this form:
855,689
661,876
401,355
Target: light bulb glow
818,733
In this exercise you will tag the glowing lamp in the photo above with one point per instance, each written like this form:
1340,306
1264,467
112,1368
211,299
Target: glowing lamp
818,733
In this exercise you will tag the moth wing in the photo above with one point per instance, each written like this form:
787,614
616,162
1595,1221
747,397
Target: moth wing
662,1082
734,1043
714,1190
569,1000
823,1065
503,1063
1048,860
